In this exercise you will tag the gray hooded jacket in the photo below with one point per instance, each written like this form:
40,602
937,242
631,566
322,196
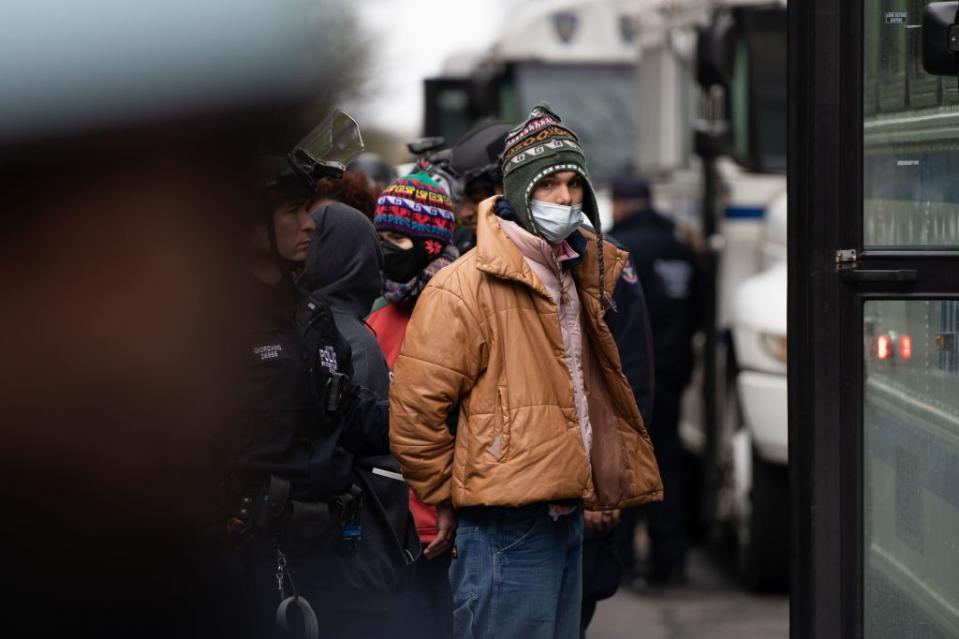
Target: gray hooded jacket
344,269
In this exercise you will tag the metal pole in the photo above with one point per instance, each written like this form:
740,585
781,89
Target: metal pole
711,343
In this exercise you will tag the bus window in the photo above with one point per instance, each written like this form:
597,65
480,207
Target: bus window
911,470
910,194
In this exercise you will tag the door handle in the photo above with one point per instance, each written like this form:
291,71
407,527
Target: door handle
904,276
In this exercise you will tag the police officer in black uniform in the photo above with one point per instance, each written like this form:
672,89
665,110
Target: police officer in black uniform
668,272
296,510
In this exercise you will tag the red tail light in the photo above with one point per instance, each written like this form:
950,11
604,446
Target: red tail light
905,346
883,347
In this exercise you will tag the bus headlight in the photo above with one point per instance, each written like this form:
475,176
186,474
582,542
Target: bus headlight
774,345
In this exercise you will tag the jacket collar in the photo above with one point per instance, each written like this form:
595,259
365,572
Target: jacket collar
498,256
576,241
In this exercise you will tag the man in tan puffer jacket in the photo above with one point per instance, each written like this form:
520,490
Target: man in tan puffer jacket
512,336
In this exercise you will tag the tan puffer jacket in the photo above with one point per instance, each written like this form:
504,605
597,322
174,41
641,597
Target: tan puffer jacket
485,334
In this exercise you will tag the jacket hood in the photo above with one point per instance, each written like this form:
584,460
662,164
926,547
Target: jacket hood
344,264
539,146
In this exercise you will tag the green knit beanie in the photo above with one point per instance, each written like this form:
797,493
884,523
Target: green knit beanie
542,145
538,147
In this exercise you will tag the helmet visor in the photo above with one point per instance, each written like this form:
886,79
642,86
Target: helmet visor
328,148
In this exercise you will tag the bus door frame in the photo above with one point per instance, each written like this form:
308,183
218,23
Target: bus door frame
827,288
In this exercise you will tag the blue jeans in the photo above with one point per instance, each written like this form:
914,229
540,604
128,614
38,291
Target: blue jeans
517,573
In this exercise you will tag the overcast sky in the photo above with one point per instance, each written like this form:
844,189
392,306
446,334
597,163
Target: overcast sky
412,39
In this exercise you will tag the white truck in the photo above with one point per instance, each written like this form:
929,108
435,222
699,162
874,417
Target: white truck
712,105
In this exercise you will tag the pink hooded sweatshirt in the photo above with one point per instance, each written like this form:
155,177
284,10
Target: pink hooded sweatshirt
545,260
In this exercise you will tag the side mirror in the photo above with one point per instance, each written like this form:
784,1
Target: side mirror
741,66
715,61
940,38
423,146
715,51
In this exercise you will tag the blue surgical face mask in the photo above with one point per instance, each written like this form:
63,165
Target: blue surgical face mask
554,222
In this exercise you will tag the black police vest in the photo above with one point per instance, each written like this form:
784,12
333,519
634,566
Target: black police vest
296,366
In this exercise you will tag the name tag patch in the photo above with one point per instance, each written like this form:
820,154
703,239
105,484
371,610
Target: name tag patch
268,352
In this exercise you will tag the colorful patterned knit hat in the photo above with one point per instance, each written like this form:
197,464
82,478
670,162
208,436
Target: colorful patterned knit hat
536,148
416,206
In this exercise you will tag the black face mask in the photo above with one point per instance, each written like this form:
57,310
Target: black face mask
399,264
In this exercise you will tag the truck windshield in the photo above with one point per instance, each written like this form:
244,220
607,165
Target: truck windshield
759,89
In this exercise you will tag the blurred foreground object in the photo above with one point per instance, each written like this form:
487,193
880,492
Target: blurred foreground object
127,154
67,67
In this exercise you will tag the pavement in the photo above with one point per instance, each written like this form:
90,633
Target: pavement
711,606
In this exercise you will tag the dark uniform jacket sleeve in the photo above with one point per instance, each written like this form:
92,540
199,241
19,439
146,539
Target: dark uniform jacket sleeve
366,427
631,330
